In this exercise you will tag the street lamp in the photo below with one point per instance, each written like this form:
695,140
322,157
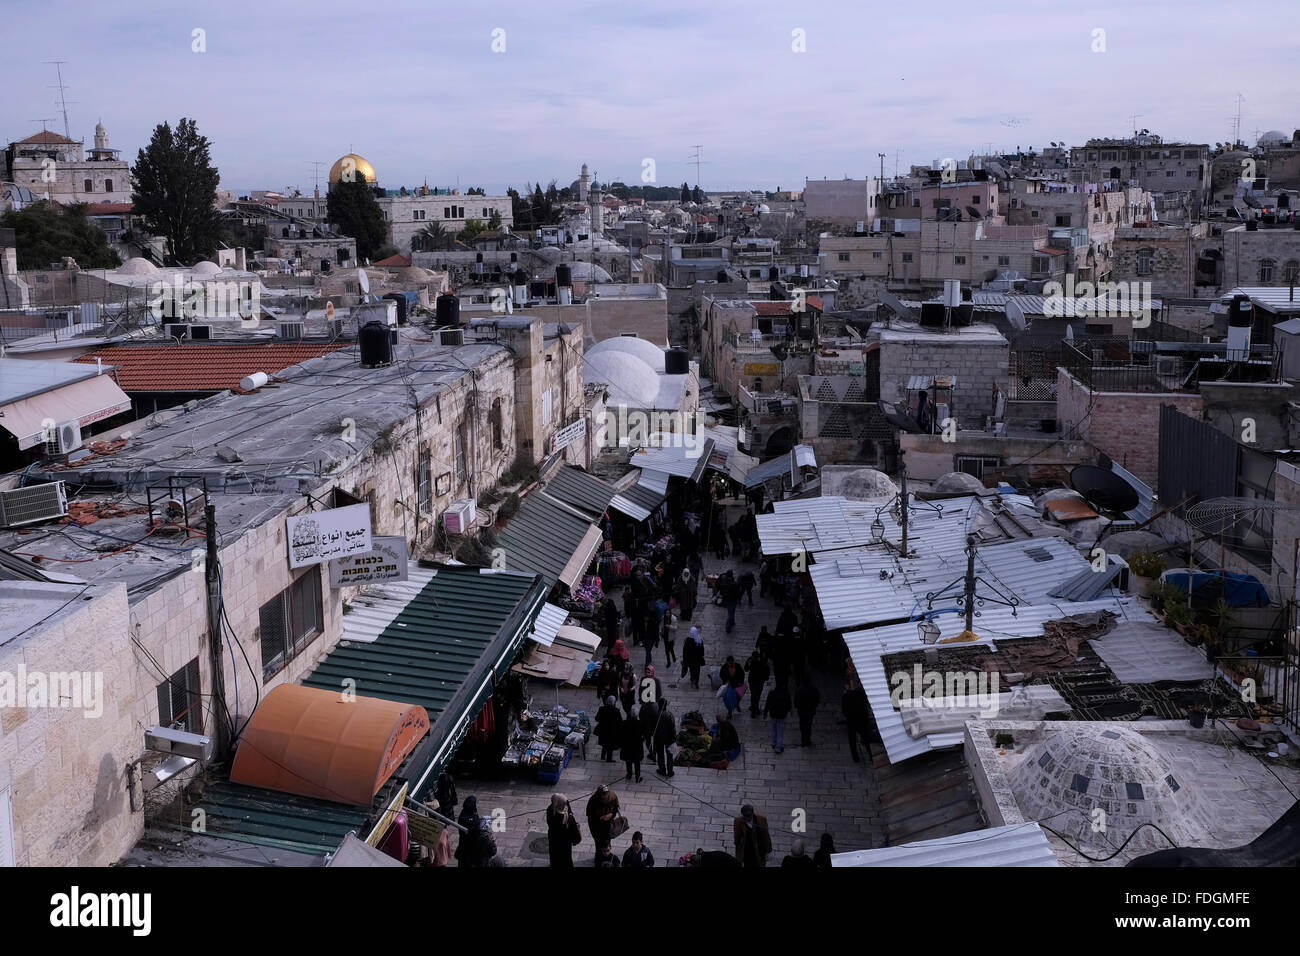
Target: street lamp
968,600
928,631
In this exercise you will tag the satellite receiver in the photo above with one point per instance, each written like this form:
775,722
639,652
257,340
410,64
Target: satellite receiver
902,311
973,212
1104,490
363,281
1016,316
1069,333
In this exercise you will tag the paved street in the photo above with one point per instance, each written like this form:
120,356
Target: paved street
817,789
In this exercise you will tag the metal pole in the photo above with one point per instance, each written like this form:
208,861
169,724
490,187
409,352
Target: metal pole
970,582
214,634
903,498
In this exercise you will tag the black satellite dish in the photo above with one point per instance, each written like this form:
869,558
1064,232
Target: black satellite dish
1103,489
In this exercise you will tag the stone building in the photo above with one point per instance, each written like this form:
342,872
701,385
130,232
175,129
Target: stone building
975,357
49,163
1156,166
840,203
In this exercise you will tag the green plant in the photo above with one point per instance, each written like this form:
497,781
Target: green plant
509,507
1177,612
1004,740
1146,564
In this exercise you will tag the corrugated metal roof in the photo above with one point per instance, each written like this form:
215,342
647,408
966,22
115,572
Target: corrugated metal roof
575,487
1018,844
549,620
270,818
372,611
542,537
676,459
1088,584
850,590
639,501
827,523
1146,497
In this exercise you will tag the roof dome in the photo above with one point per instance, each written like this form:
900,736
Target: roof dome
588,271
205,268
1092,766
354,166
137,267
1274,137
631,381
649,353
864,484
958,481
549,253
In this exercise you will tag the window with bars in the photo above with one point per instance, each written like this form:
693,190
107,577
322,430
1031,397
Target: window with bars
459,455
180,700
424,482
1266,267
291,621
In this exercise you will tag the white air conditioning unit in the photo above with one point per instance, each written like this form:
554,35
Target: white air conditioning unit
64,439
454,337
459,517
20,506
181,742
177,330
289,331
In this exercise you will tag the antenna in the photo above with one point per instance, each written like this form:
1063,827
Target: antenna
698,158
897,153
317,164
1133,119
44,121
1236,126
63,100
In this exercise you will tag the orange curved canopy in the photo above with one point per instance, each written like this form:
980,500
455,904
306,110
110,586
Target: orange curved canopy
317,743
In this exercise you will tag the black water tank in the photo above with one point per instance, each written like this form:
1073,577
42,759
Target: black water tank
400,299
773,273
722,276
563,276
1252,225
1240,312
677,362
537,290
520,278
376,342
448,310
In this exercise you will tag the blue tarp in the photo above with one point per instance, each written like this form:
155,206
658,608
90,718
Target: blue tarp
1239,590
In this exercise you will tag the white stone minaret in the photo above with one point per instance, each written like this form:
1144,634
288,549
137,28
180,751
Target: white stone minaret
101,137
584,184
597,200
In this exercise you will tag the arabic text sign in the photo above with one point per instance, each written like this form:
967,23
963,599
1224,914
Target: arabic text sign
387,562
569,434
318,536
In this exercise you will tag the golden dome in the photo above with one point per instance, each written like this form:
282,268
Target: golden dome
351,166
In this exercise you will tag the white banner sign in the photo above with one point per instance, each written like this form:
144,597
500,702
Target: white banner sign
387,562
567,435
318,536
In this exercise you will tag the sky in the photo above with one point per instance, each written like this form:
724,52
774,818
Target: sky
773,92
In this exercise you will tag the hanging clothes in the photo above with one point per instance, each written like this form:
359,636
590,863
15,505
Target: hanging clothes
485,724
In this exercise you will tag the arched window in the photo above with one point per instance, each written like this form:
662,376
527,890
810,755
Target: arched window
494,422
1146,261
1267,267
1291,272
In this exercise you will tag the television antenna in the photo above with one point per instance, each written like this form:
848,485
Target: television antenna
698,159
63,100
316,164
1236,125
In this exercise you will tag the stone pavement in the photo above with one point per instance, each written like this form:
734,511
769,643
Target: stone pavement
816,789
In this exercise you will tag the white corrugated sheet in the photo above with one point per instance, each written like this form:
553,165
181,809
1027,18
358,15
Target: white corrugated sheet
641,500
675,458
549,620
1018,844
381,603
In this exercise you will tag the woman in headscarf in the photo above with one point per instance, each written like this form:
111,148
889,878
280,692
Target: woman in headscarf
602,808
685,594
445,794
562,832
693,656
632,750
476,847
609,724
619,651
822,858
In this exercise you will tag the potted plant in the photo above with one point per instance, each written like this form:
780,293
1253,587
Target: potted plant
1144,567
1178,616
1196,715
1004,740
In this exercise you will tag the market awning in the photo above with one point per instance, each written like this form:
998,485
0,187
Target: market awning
687,457
318,743
799,456
85,402
576,488
640,501
549,538
549,620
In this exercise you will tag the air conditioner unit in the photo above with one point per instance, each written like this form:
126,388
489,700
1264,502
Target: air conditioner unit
289,331
177,330
200,333
20,506
451,337
338,328
64,439
459,517
169,769
181,742
1166,365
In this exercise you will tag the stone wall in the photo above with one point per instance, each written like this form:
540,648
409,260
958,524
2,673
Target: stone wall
979,368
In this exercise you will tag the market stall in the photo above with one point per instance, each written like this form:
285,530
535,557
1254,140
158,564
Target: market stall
542,742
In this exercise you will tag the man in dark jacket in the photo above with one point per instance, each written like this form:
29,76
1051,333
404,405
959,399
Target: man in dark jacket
753,842
649,717
729,591
806,699
758,674
778,708
665,735
857,716
638,856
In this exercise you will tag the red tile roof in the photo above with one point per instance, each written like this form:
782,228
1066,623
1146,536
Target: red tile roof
395,261
815,301
110,208
199,367
46,138
771,308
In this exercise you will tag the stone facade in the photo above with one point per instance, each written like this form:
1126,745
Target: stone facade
407,216
842,202
976,356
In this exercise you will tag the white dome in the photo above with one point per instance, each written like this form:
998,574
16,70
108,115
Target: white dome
631,381
649,353
205,268
1066,777
137,267
1274,137
958,481
550,253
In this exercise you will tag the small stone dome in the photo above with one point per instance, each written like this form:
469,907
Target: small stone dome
1274,137
205,268
956,481
631,381
137,267
647,352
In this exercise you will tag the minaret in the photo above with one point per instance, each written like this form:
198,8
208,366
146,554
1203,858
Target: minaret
101,137
584,184
597,200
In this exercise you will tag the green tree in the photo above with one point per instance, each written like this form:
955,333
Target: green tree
351,207
432,238
176,191
494,220
685,195
697,195
45,233
472,228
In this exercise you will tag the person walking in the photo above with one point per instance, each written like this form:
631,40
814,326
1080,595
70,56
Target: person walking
822,858
685,591
648,719
729,591
638,856
693,656
627,688
778,708
752,839
602,809
445,795
668,634
562,832
695,564
798,858
476,847
632,743
606,680
746,586
759,671
609,725
654,623
653,681
857,718
612,621
665,736
806,699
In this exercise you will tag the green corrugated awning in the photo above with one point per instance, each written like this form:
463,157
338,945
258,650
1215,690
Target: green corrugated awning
543,537
576,488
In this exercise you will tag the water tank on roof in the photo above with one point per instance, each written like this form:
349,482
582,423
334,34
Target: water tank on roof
773,273
400,299
677,361
448,310
563,276
376,341
537,290
722,275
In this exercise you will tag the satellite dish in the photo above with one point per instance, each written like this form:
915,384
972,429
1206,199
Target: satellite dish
509,307
1069,333
364,281
1103,489
973,212
329,310
1016,316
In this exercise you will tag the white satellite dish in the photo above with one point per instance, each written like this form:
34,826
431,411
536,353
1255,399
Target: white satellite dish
509,307
363,280
1069,333
1016,316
